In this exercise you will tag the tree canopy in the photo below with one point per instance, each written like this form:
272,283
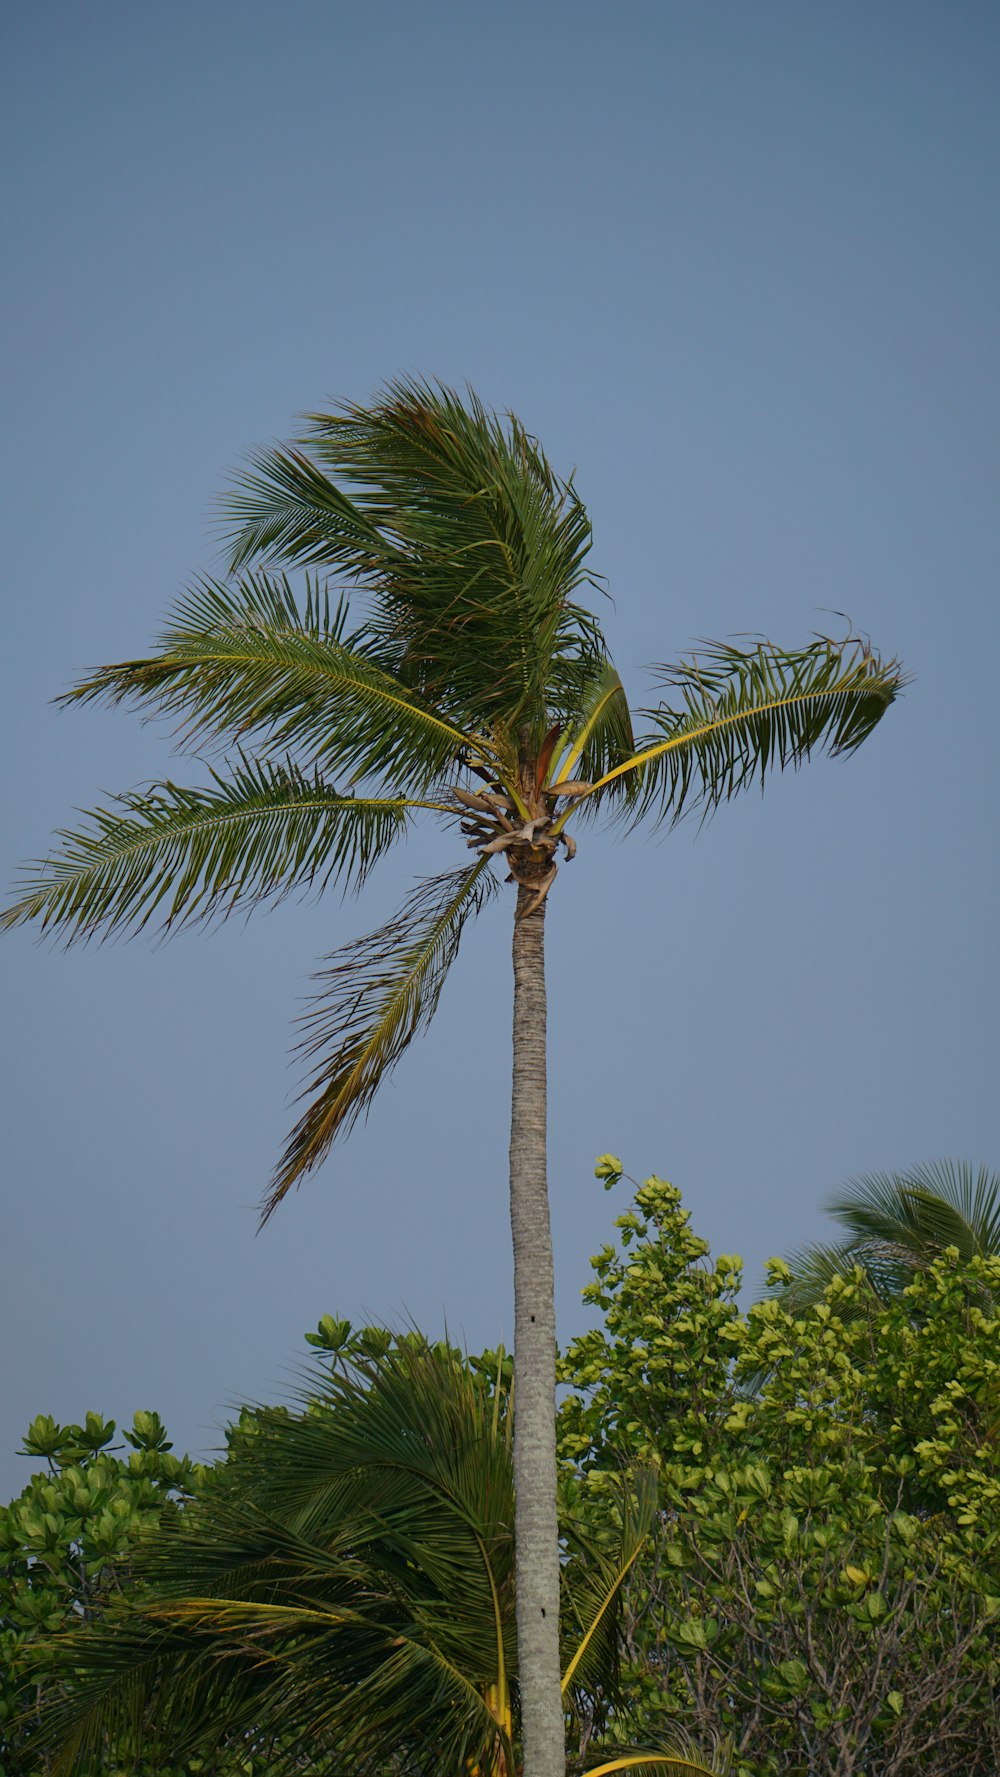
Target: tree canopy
827,1579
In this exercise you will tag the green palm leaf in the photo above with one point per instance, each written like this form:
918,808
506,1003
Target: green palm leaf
470,546
737,713
681,1759
593,1587
141,1688
813,1269
938,1204
198,854
244,660
286,509
898,1224
351,1570
600,737
379,992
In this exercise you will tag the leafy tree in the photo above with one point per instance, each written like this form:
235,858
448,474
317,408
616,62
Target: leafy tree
898,1224
826,1581
342,1592
477,690
66,1548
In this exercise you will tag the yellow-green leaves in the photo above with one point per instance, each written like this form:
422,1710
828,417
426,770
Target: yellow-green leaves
829,1495
608,1168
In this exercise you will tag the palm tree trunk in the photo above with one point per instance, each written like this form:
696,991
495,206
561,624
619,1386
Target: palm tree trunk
536,1533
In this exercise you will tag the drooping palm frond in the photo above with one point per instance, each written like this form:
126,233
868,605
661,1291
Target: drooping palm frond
182,855
378,993
736,713
216,1677
144,1693
469,545
347,1577
245,662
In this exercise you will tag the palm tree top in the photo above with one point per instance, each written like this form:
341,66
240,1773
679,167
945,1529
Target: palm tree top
474,688
470,547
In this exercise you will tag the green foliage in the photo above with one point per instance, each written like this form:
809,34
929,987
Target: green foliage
66,1549
827,1578
734,714
341,1592
898,1223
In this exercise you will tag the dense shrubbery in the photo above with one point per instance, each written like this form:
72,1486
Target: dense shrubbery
339,1596
822,1584
66,1546
826,1582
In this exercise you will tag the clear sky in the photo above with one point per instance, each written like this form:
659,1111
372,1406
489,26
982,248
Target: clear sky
739,265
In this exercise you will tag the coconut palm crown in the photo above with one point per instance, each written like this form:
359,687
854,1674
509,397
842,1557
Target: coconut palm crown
475,689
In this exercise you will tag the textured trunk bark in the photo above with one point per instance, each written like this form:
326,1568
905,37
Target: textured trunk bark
535,1524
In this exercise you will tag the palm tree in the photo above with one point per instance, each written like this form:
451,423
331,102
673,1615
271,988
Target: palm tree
899,1223
342,1596
478,690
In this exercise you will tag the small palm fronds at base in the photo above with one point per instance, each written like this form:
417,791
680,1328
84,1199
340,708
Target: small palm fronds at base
592,1586
681,1758
346,1585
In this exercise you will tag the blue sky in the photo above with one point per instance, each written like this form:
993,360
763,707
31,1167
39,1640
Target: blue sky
737,264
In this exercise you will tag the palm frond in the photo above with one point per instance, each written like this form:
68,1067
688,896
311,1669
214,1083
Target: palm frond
285,509
737,713
245,660
814,1268
938,1204
232,1676
898,1223
378,993
593,1585
406,1469
199,854
600,737
340,1579
681,1759
469,545
141,1687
